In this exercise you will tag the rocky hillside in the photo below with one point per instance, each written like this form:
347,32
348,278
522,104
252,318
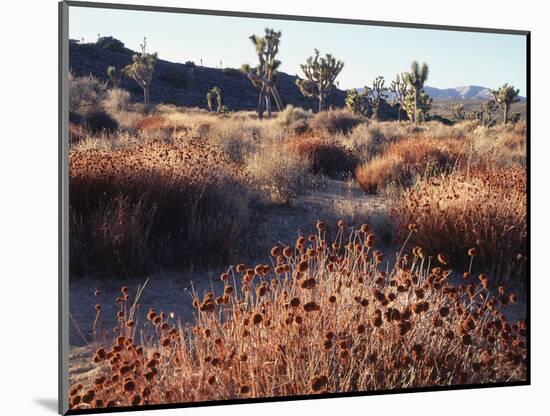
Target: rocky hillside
186,84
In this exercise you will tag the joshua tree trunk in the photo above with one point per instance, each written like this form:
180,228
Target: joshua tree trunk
277,98
261,103
399,113
506,109
416,100
268,104
375,113
321,102
146,95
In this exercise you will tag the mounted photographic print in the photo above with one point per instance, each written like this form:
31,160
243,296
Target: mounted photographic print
264,207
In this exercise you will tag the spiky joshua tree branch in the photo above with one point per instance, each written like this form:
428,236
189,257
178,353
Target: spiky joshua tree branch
416,79
320,74
214,93
376,94
398,88
264,75
141,70
505,96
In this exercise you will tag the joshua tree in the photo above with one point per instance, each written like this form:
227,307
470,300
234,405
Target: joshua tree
115,76
356,102
376,94
515,117
216,93
264,76
417,105
458,112
506,96
398,88
141,70
488,113
416,79
320,73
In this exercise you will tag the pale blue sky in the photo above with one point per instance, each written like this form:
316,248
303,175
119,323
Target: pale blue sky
455,58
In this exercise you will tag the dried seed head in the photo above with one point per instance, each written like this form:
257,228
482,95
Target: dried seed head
129,386
294,302
318,383
257,319
311,307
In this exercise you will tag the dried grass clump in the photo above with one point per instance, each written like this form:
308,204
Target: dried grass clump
116,100
437,130
187,199
484,209
334,122
235,138
77,133
294,120
503,145
369,140
278,172
327,154
321,316
405,160
151,123
155,127
85,93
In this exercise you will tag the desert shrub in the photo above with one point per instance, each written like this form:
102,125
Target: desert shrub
127,120
294,119
278,172
116,100
481,209
327,155
440,119
334,121
113,238
369,140
105,141
149,123
437,130
98,120
236,139
198,198
85,93
233,72
108,42
323,319
503,145
77,133
405,160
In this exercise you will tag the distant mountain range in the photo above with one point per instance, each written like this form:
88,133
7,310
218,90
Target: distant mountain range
469,92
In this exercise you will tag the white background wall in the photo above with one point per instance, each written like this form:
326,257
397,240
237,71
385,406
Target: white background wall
28,205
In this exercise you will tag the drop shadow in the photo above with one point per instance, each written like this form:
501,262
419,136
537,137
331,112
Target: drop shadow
48,404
